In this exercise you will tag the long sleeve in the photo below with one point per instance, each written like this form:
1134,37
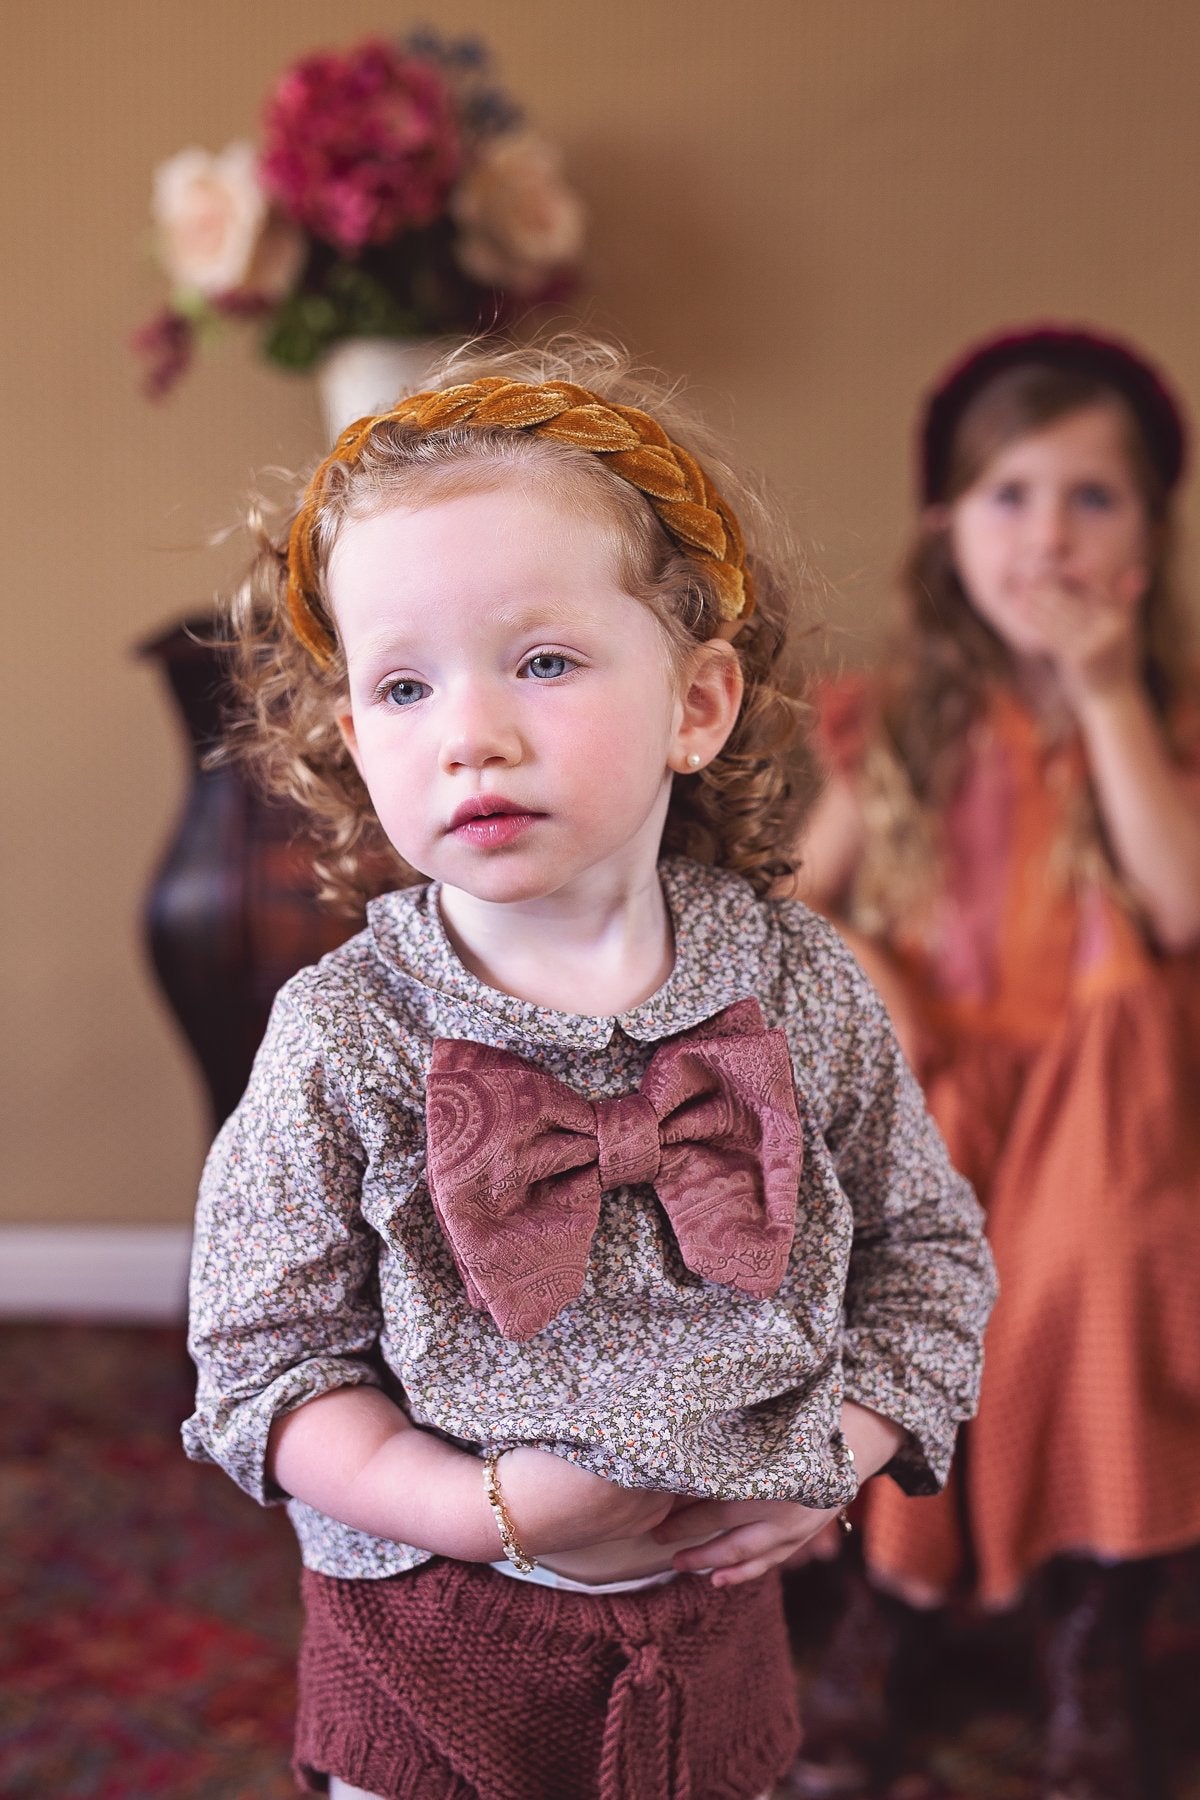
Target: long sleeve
921,1282
284,1292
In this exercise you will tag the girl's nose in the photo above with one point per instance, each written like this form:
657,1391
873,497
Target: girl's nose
479,729
1049,527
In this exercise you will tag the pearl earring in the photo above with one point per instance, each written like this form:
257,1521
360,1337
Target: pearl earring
694,760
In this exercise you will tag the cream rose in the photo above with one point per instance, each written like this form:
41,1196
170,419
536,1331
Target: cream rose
517,216
215,231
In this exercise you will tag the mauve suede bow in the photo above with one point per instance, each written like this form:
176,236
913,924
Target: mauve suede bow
517,1162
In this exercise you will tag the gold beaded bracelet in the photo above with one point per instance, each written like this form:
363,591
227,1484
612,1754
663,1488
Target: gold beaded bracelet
842,1518
508,1537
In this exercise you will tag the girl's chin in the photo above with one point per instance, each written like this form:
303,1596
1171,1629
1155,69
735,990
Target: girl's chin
1019,638
500,887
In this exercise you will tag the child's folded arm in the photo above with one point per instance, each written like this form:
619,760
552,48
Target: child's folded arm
284,1303
921,1281
743,1539
355,1455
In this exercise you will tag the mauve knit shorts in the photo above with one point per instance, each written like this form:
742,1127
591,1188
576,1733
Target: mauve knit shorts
453,1683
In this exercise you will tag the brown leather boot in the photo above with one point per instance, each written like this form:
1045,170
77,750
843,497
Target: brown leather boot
1098,1745
848,1712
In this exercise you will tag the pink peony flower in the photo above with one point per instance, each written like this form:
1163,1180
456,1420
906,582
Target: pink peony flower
214,230
519,220
360,147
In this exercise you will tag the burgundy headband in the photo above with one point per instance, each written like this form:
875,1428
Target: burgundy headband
1070,348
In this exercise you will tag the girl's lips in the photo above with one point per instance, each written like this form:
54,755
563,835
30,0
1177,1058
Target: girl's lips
491,831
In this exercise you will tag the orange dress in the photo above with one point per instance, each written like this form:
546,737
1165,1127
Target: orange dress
1065,1075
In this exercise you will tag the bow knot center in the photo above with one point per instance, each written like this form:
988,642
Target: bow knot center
627,1141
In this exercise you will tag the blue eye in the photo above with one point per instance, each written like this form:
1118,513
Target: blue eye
405,692
547,667
1095,497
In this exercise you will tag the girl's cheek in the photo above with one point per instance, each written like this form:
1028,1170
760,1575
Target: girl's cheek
1129,589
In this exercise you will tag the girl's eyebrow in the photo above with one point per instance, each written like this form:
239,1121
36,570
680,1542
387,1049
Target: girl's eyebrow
521,616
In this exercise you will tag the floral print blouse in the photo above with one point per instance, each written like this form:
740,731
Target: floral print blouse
319,1261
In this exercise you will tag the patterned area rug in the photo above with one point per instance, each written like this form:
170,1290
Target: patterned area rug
150,1616
150,1609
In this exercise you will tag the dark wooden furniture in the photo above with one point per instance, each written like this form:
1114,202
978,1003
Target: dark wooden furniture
231,912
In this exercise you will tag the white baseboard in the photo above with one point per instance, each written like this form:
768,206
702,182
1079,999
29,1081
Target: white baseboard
113,1274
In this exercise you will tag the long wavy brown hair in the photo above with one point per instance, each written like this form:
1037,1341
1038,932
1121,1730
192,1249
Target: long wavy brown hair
946,658
740,813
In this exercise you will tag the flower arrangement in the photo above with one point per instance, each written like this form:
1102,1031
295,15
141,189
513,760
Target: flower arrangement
397,193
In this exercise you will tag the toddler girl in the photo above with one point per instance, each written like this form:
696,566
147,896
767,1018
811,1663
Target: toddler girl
581,1223
1012,822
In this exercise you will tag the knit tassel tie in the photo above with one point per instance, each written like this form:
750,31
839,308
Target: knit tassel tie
643,1731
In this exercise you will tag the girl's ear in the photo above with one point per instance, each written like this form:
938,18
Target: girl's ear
936,518
709,701
345,724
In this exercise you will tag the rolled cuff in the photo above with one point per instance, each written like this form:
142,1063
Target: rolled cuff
233,1431
929,1415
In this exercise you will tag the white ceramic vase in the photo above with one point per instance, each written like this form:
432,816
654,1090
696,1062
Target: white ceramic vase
367,375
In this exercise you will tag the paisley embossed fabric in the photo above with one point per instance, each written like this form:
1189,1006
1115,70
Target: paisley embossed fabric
517,1164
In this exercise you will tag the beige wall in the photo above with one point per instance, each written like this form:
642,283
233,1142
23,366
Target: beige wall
803,204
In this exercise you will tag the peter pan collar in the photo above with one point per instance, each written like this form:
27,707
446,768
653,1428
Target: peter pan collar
719,927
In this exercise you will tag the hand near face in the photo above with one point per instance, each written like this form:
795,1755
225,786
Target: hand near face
1091,635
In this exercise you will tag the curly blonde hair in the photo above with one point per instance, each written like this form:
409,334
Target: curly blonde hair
740,813
946,658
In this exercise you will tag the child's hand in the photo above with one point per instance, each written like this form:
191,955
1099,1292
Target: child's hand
743,1538
826,1546
556,1506
1091,636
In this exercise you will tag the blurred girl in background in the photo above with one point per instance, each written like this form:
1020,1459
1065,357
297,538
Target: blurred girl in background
1010,830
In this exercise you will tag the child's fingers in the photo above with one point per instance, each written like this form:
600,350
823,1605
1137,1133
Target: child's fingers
1055,600
749,1571
727,1551
741,1555
1130,587
827,1545
1048,602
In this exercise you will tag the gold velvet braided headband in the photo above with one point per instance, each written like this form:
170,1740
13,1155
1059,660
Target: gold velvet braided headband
630,442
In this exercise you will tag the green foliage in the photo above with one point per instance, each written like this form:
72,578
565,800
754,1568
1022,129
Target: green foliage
350,302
